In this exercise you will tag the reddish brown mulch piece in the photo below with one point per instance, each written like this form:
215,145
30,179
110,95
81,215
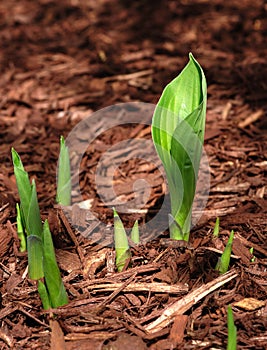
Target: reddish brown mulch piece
60,62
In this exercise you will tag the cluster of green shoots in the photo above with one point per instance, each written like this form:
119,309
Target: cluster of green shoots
178,127
35,236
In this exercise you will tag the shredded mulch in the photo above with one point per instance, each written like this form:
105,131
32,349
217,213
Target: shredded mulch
62,61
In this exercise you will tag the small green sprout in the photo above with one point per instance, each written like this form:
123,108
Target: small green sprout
232,332
253,258
135,236
216,229
63,196
223,262
178,128
20,230
121,242
41,255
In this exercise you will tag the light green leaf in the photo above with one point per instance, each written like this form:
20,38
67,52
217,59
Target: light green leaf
64,178
53,281
216,229
223,262
35,257
23,183
44,295
178,127
121,242
232,332
33,217
135,237
20,230
30,213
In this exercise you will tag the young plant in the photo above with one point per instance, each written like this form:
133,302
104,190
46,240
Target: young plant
223,262
121,242
135,236
30,217
20,230
55,287
232,332
216,229
63,196
41,255
253,257
178,127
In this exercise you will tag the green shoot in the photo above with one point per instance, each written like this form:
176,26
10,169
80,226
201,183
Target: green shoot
232,332
20,231
64,178
41,256
216,229
178,127
53,281
30,217
121,242
223,262
253,258
135,236
44,295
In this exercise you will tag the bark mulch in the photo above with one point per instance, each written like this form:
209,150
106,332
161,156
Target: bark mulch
62,61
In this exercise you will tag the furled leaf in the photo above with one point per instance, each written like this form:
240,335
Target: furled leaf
232,332
135,236
53,281
178,133
35,257
64,178
30,212
223,262
121,242
44,295
216,229
20,230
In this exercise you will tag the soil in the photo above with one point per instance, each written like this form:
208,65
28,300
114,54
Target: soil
60,63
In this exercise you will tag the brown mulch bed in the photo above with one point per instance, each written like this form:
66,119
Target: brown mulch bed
62,61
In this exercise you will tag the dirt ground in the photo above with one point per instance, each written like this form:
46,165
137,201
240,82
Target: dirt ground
60,62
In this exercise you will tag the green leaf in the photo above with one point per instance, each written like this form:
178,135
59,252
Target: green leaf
223,262
20,230
44,295
216,229
135,237
232,332
35,257
23,183
30,213
64,178
121,242
53,281
178,127
33,217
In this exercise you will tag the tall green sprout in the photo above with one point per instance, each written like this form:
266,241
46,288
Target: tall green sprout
64,178
30,217
232,332
178,128
41,255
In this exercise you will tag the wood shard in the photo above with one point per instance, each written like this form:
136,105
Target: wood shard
185,303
